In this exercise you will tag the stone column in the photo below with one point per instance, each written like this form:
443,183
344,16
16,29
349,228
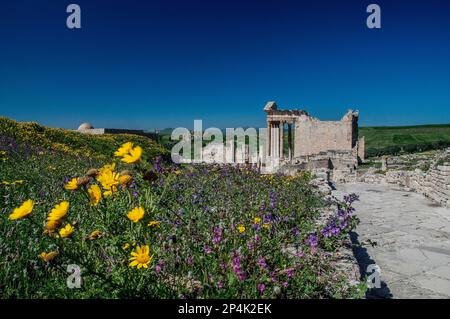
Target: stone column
269,137
281,138
290,140
274,140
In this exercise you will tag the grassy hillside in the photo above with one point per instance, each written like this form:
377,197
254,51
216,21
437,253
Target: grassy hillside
388,140
96,146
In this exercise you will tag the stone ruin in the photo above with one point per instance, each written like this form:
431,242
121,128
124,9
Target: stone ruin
426,174
332,150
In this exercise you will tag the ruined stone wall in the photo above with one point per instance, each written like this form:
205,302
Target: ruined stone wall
434,182
313,136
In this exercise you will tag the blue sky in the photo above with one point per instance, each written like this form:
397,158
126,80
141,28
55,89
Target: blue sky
155,64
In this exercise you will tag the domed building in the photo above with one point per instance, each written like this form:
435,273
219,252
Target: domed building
85,126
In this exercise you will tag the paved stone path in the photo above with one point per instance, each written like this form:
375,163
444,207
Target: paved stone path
407,236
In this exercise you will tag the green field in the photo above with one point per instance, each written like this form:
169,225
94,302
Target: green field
392,140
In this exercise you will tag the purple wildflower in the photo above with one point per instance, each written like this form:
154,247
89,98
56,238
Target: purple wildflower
312,240
261,288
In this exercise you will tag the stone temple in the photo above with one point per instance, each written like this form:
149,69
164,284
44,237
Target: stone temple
332,148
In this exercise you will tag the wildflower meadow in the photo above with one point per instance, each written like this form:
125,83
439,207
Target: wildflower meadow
136,225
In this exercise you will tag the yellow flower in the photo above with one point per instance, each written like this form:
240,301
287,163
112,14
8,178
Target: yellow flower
124,149
125,246
95,194
266,225
47,257
241,229
66,231
141,257
133,156
136,214
256,220
107,168
72,185
23,211
125,180
178,172
109,180
59,211
154,224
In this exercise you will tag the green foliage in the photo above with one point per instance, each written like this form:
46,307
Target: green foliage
398,140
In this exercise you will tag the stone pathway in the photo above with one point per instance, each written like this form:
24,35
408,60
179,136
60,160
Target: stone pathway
407,236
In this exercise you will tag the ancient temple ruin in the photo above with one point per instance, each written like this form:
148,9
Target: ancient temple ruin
330,147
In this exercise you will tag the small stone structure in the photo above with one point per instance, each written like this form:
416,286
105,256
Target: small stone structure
87,128
329,147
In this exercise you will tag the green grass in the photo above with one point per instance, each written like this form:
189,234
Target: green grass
392,140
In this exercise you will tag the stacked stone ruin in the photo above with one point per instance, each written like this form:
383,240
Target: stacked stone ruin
330,149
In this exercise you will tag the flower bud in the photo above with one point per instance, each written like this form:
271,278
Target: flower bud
92,172
83,180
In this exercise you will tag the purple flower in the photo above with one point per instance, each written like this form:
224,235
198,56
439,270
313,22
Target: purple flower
157,165
262,262
312,240
217,231
290,272
261,288
219,284
207,250
159,266
237,267
285,284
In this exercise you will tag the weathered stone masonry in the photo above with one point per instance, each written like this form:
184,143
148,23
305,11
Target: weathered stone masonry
330,146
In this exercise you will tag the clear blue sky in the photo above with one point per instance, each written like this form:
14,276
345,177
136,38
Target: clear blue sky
155,64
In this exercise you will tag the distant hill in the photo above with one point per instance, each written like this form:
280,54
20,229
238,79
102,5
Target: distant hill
72,142
392,140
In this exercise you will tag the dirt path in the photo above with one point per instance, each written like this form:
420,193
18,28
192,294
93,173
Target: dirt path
407,236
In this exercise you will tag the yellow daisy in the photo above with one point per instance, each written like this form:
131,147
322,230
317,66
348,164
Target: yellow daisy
133,156
66,231
23,211
95,194
72,184
141,257
109,180
124,149
241,229
136,214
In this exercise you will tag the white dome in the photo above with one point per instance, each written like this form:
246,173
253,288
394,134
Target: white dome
85,126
